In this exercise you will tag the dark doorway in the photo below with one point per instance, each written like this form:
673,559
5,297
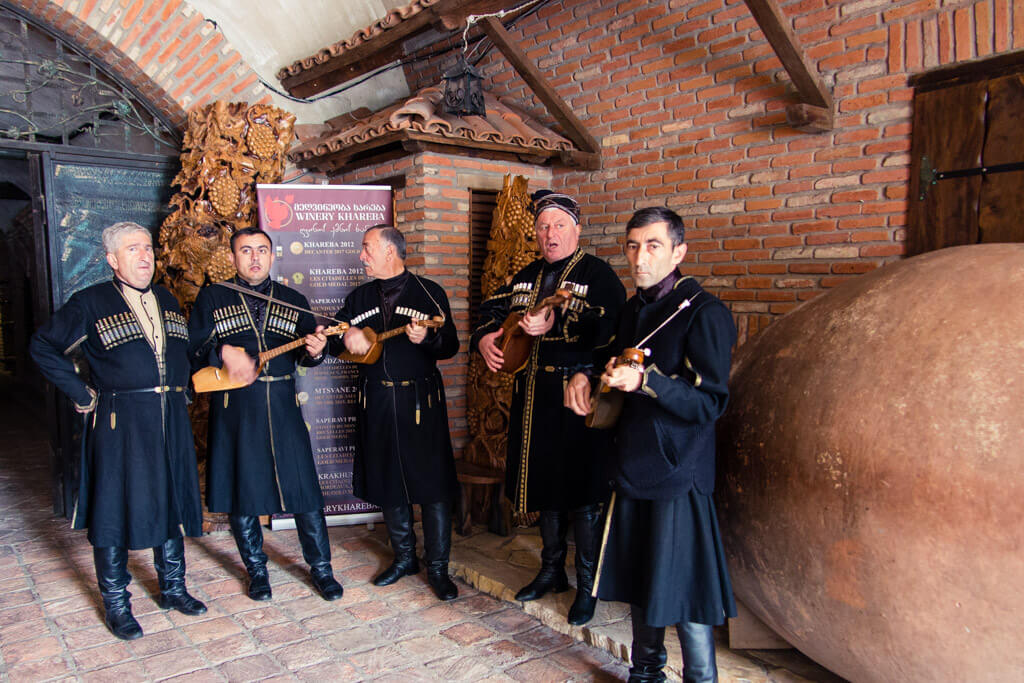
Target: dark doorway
79,149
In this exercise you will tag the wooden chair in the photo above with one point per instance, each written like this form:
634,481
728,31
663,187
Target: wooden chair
470,475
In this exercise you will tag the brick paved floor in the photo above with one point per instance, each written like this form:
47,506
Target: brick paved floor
51,620
51,624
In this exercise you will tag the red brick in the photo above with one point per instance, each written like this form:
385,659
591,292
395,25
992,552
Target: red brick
964,35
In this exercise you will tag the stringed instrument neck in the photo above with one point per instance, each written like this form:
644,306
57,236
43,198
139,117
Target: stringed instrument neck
376,340
296,343
434,322
277,351
217,379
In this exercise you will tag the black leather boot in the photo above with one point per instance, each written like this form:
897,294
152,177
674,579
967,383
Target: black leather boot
698,644
169,560
551,577
648,654
587,530
316,550
113,578
437,546
403,543
249,539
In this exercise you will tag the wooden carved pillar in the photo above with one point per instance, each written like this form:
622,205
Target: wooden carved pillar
512,245
228,148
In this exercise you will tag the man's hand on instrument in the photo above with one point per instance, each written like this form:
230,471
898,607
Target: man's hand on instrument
356,342
577,394
416,333
490,351
536,325
239,364
623,378
316,342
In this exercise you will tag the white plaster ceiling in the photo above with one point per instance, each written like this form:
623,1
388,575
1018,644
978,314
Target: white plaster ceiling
270,34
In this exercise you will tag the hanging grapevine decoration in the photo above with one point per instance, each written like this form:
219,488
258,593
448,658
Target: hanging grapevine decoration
228,148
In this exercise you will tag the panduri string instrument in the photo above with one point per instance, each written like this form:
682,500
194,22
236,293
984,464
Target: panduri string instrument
605,402
377,340
218,379
516,345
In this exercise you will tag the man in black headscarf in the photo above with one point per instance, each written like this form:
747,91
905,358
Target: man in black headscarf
554,465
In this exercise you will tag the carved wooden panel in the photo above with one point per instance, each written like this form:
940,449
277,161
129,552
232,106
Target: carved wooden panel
228,148
511,245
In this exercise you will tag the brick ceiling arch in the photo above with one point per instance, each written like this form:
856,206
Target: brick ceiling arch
164,48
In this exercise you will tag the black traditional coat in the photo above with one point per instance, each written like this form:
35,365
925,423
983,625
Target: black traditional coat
663,550
665,436
554,462
259,457
138,485
405,450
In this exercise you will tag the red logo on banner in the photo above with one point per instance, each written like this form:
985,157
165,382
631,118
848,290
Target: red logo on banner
278,212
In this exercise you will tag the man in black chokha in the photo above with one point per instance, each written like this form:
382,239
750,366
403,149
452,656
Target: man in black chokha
663,553
405,450
138,486
259,457
554,463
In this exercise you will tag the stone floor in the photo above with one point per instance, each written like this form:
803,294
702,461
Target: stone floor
51,621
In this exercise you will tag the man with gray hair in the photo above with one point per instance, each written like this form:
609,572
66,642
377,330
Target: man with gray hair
138,484
405,449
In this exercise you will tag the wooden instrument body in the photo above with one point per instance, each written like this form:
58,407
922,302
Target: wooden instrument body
377,341
514,344
605,402
218,379
368,358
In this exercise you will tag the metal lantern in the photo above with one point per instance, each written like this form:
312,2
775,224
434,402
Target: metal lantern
463,90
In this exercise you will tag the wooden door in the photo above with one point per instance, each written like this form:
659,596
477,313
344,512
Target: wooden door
971,123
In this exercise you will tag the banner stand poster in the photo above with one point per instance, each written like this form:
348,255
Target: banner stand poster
317,232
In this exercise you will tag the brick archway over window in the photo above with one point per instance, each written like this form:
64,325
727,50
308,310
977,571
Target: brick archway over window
164,48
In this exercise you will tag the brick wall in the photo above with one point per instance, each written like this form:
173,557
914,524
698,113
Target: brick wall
433,213
164,48
688,100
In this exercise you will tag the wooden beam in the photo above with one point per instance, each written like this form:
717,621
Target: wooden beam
405,142
968,72
587,161
386,47
361,59
464,143
809,118
776,28
573,127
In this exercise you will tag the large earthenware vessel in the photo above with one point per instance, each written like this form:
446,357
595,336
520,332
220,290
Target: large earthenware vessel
871,471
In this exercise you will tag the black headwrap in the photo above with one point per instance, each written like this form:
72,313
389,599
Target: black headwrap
546,199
